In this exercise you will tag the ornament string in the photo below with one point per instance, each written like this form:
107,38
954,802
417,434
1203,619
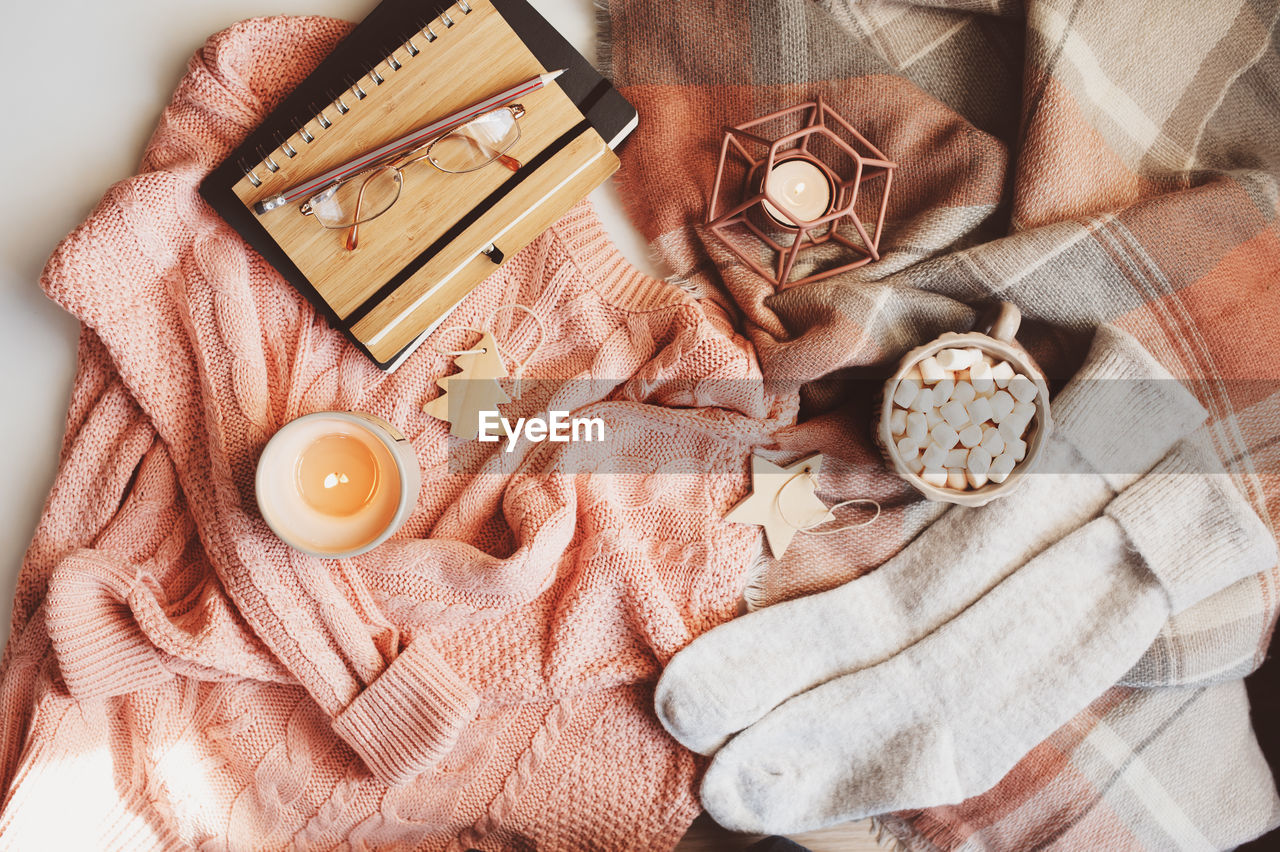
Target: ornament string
812,528
517,374
453,353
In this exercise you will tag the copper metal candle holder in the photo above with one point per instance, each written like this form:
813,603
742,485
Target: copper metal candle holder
847,160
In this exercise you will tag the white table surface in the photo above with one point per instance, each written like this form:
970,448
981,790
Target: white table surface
86,80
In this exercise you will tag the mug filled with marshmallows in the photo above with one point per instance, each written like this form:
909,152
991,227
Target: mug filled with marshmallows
965,416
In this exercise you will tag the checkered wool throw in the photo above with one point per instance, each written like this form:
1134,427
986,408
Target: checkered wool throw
1089,160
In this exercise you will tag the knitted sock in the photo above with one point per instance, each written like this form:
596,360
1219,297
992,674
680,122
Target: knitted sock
951,715
730,677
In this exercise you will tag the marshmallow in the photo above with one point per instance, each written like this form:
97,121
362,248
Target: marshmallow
956,479
979,410
1001,404
933,456
1021,416
905,393
957,359
917,427
898,422
944,436
980,376
963,393
958,458
942,391
1001,374
979,460
992,441
933,417
935,477
955,414
923,400
971,436
914,465
1001,466
908,448
931,371
1018,448
976,480
1022,388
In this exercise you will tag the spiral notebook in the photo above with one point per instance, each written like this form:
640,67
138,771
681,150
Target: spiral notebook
408,63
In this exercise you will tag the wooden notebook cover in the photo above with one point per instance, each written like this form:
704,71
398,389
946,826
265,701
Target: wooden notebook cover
420,258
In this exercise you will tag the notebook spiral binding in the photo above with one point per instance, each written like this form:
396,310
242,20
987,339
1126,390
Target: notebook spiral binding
270,160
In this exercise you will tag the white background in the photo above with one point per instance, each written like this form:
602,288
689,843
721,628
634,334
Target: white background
85,81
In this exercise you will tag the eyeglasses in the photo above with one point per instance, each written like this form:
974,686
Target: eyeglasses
368,194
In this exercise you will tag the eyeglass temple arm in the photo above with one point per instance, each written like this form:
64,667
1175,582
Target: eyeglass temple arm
353,236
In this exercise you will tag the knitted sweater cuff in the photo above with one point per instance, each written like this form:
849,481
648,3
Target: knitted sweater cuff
1194,530
610,273
410,717
100,647
1122,409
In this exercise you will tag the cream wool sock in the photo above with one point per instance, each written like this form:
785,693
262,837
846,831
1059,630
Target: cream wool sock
735,674
951,715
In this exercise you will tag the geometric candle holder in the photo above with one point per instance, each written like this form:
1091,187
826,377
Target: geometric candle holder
787,190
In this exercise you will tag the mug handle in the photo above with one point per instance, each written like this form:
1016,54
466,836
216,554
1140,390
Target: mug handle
1005,326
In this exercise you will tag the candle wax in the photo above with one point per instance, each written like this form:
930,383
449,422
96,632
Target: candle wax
337,475
801,188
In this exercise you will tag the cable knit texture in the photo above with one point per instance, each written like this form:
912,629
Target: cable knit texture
483,679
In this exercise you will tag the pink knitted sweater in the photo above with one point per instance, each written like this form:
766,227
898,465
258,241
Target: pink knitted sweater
178,677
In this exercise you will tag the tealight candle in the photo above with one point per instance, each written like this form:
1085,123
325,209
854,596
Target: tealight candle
336,483
803,190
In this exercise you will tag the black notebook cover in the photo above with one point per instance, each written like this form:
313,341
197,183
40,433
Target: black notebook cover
389,25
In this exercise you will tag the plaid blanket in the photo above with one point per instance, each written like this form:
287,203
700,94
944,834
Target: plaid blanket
1089,160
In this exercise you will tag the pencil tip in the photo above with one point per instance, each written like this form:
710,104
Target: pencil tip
554,74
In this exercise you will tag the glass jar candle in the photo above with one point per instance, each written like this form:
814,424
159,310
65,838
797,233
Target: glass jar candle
337,483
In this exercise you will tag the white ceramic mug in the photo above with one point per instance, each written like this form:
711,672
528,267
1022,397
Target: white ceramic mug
337,483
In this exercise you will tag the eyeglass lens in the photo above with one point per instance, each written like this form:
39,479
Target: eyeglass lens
476,143
359,199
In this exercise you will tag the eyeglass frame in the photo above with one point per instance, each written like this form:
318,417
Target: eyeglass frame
397,162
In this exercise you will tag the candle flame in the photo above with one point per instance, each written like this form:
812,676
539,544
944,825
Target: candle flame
334,479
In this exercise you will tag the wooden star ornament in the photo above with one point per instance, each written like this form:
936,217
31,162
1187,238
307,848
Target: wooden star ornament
782,500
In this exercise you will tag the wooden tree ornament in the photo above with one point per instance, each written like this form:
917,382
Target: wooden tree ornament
471,390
